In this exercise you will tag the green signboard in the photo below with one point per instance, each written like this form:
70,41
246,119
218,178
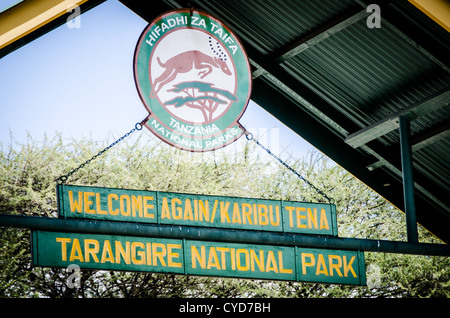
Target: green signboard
196,210
240,260
110,252
106,204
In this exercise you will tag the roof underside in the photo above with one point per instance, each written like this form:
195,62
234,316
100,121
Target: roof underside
341,85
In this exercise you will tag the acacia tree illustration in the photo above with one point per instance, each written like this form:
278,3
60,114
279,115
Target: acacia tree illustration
202,96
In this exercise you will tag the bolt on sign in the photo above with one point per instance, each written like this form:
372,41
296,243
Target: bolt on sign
196,210
128,253
194,78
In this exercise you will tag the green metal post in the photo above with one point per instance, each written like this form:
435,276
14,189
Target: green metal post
408,180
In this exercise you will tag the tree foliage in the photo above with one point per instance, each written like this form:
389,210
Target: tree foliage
202,96
27,187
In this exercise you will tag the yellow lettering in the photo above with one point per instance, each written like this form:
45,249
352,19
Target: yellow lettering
259,261
224,212
165,212
195,210
87,202
112,211
171,255
271,264
149,253
188,211
148,206
323,220
335,266
238,259
159,255
300,217
136,204
290,210
233,259
107,254
63,242
321,263
277,213
213,261
312,219
123,198
213,216
348,266
222,251
76,252
236,213
246,213
98,202
255,216
197,257
91,250
74,204
121,252
134,253
263,214
177,212
311,263
203,210
280,260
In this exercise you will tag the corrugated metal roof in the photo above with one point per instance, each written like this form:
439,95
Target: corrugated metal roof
353,78
322,71
270,25
429,160
367,73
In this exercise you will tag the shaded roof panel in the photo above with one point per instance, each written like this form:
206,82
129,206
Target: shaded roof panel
318,67
270,27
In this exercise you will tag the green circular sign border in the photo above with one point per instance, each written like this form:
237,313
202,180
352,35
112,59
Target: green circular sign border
229,120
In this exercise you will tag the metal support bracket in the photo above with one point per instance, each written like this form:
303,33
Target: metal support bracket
221,235
408,180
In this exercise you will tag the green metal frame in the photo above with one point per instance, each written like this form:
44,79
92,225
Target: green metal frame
222,235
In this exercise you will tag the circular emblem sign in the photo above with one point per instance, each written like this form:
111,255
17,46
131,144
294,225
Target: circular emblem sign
194,79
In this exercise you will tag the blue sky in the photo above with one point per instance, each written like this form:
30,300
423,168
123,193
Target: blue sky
79,82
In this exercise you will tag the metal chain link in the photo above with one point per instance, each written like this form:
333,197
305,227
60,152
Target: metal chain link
138,126
250,137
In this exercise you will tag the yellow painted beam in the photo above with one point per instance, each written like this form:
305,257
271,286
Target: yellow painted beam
30,15
438,10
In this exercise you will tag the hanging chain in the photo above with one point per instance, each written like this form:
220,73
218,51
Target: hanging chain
138,126
250,137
